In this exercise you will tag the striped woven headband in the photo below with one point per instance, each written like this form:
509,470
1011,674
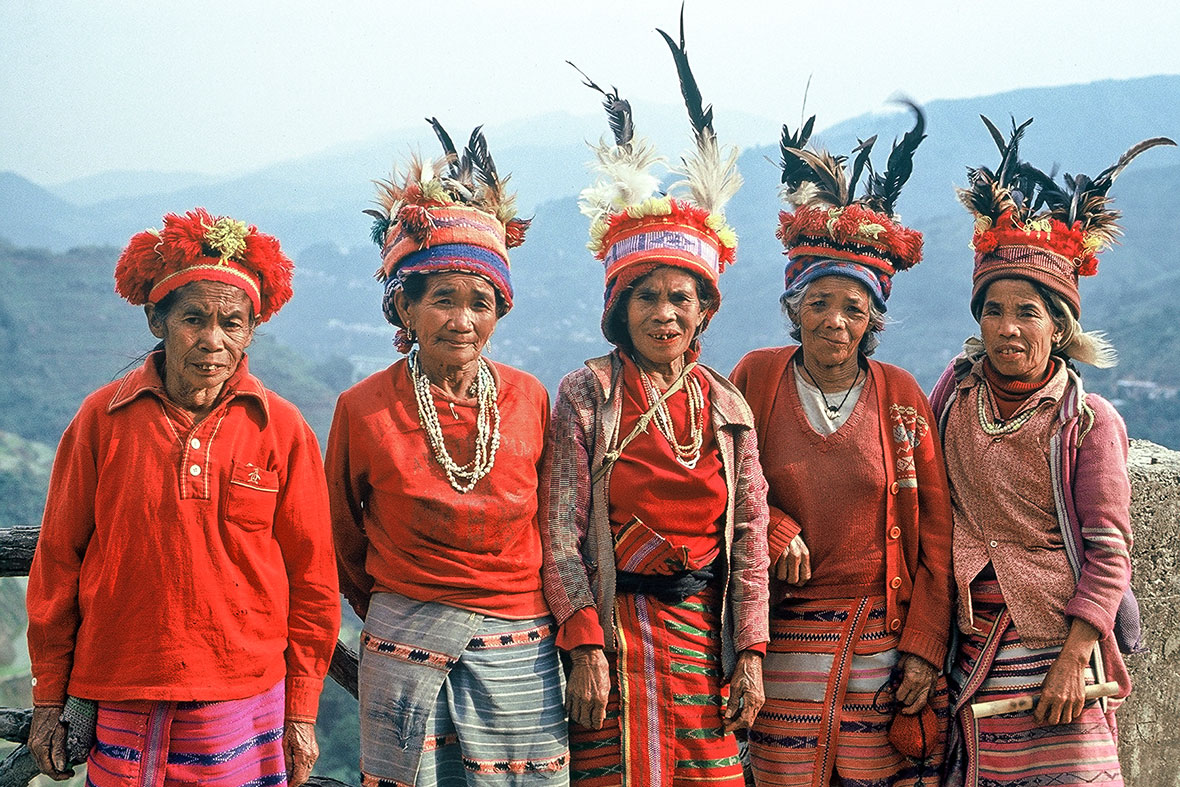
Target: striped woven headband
459,257
682,243
228,272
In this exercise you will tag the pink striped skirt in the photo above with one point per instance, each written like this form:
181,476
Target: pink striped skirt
235,743
1012,749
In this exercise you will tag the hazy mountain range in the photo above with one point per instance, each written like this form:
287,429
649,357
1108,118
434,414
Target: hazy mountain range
62,328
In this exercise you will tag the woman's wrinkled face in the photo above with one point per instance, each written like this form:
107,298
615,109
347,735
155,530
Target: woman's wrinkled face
663,315
1017,329
833,317
453,319
206,330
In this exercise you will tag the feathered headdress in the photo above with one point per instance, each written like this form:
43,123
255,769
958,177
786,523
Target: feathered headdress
633,229
1028,226
449,214
831,231
201,247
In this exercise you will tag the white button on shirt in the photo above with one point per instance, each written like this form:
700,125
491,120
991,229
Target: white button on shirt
195,443
194,470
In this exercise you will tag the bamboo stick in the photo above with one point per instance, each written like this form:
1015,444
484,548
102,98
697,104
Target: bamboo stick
981,710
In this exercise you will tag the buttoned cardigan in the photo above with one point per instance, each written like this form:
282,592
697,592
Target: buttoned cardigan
578,569
917,518
180,560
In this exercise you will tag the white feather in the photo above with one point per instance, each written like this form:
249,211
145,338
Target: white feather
711,180
624,178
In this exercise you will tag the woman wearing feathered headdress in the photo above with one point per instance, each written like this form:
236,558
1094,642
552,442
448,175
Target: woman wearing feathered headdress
653,504
432,474
1038,473
182,601
859,534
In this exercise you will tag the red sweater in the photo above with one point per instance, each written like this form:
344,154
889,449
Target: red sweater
180,561
685,506
401,527
917,585
841,519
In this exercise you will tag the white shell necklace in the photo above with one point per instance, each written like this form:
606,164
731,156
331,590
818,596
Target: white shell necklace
487,426
689,453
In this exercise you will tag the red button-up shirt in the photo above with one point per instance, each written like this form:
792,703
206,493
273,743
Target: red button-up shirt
181,561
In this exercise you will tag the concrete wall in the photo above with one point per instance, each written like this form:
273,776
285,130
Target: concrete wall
1149,722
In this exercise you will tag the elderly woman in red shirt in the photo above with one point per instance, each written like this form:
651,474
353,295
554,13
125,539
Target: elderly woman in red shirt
859,515
184,576
1038,474
655,506
432,471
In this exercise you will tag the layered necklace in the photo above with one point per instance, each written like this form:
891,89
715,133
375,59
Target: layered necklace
687,454
487,426
830,410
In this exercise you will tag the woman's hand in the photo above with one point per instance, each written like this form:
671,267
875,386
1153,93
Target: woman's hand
300,750
588,687
746,694
47,742
1063,692
917,682
794,565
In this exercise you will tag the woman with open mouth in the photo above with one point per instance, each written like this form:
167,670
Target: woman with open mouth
653,502
1038,475
859,535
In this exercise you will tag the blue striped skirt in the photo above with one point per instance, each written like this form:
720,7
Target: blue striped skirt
497,716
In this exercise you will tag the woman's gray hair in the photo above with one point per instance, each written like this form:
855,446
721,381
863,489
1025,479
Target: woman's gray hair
1088,347
791,300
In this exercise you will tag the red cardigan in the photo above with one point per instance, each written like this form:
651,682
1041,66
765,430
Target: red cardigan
180,561
918,513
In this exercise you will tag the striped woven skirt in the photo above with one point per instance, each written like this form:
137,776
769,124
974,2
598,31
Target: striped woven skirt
664,716
495,714
160,744
828,675
1011,749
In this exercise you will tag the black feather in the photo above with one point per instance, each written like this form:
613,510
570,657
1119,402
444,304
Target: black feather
795,170
1010,153
884,189
481,160
863,149
618,111
447,145
1106,178
1047,193
997,137
700,117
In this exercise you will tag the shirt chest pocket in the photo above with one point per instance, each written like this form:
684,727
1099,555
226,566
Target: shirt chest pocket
251,496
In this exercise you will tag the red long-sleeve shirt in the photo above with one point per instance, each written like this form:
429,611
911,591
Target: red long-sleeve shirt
401,527
181,561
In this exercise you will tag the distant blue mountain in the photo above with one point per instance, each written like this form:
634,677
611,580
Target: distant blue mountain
314,205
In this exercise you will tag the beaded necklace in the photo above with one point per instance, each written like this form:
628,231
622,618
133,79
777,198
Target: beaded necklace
487,426
689,453
998,426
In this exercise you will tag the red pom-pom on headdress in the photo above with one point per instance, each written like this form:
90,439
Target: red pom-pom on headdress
200,247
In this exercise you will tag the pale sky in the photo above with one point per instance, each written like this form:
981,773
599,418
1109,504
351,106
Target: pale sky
231,85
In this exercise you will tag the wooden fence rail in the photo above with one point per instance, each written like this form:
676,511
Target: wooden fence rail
16,556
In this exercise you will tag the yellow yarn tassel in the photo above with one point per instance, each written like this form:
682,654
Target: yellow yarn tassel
227,237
